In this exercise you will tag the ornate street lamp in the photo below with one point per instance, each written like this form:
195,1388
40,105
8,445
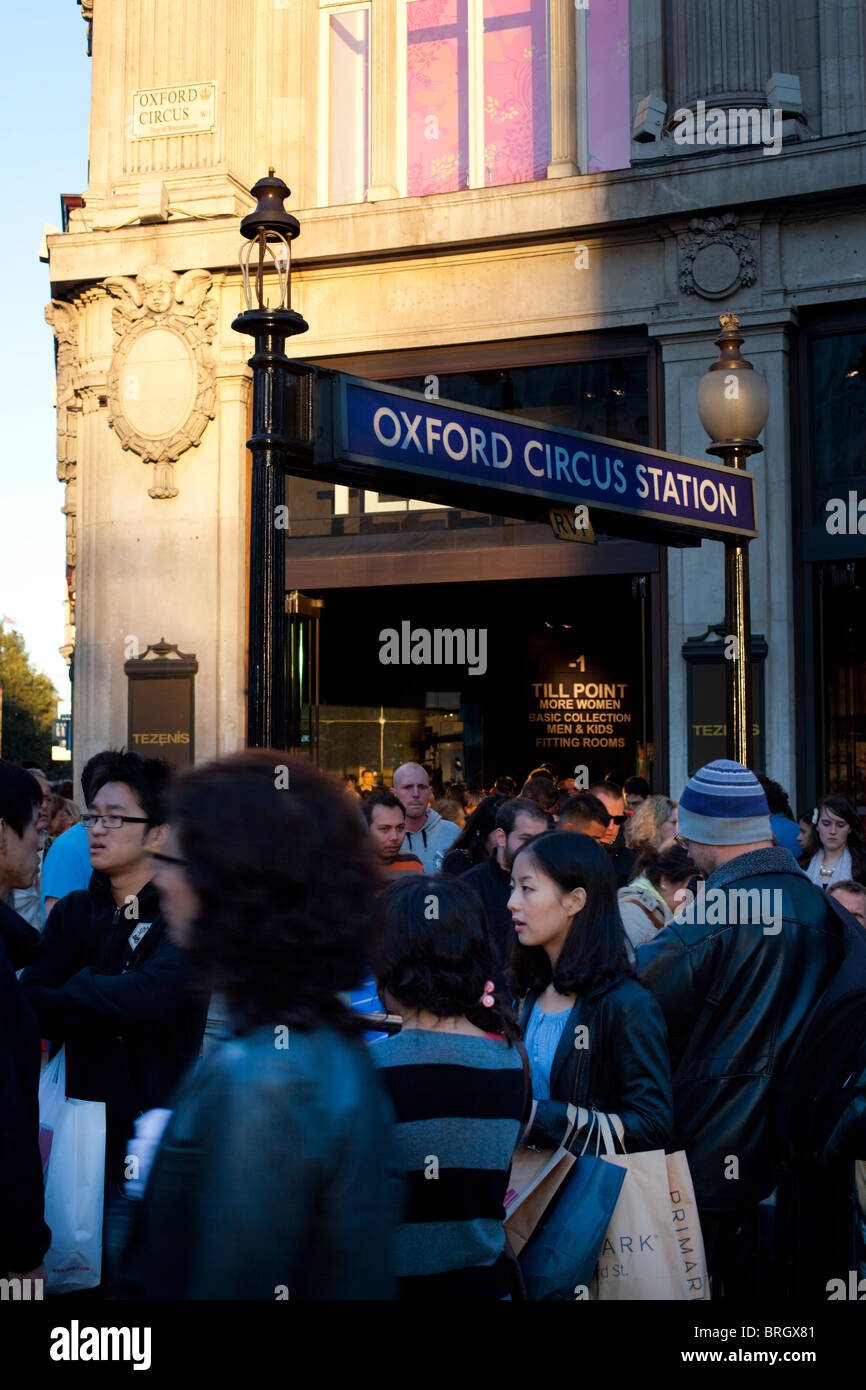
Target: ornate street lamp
733,403
269,230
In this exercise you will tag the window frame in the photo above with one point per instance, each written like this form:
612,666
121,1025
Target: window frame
327,10
475,21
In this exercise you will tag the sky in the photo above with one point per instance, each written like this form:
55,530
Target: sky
45,154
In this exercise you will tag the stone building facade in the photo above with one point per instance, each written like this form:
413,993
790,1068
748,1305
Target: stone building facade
548,194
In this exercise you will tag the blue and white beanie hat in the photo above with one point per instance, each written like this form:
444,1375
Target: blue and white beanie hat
724,804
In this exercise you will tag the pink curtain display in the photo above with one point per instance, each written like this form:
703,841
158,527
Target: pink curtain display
609,100
515,91
514,97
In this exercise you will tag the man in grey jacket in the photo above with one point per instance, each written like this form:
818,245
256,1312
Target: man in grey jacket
427,835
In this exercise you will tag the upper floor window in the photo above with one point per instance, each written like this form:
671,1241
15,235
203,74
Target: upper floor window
472,102
348,35
607,99
476,93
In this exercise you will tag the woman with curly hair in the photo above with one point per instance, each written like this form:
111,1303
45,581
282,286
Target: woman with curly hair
274,1177
653,825
457,1086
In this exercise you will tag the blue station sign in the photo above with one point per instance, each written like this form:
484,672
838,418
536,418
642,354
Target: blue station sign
379,427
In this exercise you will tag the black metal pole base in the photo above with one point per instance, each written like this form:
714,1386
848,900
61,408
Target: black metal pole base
268,444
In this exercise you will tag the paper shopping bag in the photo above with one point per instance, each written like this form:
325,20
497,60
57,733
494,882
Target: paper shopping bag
640,1256
687,1227
536,1175
73,1143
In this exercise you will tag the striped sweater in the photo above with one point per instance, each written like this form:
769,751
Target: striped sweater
458,1101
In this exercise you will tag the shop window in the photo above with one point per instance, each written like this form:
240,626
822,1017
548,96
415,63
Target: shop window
476,93
348,37
838,378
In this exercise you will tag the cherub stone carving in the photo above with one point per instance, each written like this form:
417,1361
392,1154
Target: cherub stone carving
158,293
159,299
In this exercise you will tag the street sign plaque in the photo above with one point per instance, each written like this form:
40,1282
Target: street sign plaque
384,430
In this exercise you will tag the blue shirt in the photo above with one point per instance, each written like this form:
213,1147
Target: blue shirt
67,864
543,1032
367,1001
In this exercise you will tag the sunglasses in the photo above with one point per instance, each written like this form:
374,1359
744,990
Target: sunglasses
619,820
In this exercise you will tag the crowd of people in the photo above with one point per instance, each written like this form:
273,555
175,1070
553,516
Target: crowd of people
329,1016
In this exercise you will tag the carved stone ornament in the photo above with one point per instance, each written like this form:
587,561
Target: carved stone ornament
64,319
162,384
717,256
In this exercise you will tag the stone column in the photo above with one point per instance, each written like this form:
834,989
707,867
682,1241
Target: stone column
563,111
229,699
842,49
724,53
384,77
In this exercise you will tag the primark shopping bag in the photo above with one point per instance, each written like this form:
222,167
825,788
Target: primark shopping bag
653,1249
72,1143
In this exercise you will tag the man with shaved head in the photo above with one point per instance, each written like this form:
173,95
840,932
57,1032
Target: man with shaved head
427,835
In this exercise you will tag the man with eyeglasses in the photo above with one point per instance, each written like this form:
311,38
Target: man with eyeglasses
111,985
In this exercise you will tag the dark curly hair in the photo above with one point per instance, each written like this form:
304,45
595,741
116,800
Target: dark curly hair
432,951
282,866
595,948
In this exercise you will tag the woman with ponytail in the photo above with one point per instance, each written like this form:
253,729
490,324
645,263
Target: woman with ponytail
457,1085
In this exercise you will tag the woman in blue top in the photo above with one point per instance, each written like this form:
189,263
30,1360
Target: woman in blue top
596,1038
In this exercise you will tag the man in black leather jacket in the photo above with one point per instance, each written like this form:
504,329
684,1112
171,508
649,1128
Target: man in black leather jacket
24,1236
736,976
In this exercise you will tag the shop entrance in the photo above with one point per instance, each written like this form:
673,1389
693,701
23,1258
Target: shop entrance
540,673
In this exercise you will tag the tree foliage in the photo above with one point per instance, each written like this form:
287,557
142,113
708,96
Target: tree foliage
29,701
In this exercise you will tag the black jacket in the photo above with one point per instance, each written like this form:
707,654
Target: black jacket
735,999
275,1178
492,885
127,1015
24,1237
623,1070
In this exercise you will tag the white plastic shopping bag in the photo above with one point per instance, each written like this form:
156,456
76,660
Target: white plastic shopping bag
72,1142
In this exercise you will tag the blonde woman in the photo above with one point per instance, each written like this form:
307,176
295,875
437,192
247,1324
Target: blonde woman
652,826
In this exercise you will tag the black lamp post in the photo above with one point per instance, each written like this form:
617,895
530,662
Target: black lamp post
270,230
733,403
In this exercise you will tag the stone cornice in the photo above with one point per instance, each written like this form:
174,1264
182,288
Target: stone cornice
605,205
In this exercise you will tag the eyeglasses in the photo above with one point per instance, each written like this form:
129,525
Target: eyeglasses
164,858
113,822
